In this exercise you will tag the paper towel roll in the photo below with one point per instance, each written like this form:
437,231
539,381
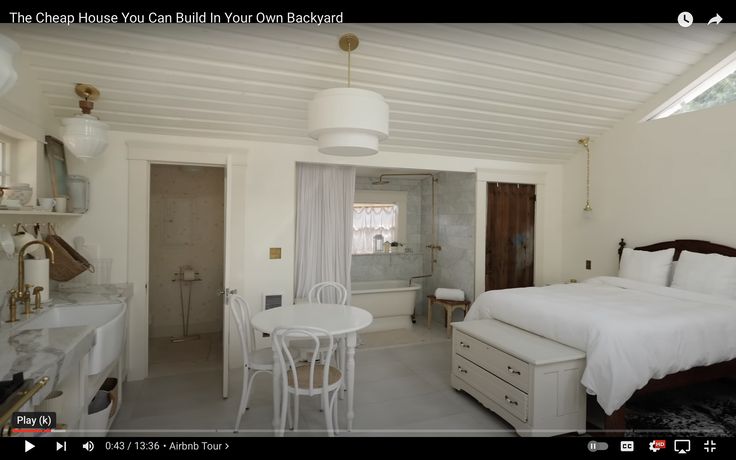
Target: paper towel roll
37,274
189,275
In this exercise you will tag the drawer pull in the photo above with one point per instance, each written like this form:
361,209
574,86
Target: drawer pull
461,370
513,371
464,345
511,401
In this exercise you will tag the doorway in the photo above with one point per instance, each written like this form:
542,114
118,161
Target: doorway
509,235
186,265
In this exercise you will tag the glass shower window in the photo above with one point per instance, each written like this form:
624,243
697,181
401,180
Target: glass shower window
371,219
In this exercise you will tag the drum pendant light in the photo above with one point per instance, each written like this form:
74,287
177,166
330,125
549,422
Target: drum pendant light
348,121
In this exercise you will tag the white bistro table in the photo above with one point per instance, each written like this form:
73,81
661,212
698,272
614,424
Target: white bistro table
339,320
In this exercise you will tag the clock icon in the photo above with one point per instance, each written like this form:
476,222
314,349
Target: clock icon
685,19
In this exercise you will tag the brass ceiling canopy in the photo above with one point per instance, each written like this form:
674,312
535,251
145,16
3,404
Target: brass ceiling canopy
349,42
86,91
89,93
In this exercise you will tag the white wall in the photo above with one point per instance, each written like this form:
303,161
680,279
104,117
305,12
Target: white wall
653,181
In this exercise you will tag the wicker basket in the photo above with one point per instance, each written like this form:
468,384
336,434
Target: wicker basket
68,263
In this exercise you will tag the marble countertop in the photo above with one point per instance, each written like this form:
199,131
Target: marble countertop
53,352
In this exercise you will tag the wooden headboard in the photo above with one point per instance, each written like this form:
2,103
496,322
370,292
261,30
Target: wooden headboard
704,247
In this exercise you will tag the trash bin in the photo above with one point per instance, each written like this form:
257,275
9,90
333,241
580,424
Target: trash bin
98,414
111,386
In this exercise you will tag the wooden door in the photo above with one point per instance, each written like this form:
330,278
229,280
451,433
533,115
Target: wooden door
510,236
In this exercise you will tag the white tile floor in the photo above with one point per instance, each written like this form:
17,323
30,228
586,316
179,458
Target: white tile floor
401,390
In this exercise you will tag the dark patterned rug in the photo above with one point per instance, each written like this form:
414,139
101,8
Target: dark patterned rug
701,410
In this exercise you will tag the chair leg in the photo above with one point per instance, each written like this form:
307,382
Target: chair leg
284,404
243,398
449,319
250,389
296,412
326,407
291,418
335,425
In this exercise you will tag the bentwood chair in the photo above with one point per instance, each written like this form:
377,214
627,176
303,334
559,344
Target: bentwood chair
255,361
307,379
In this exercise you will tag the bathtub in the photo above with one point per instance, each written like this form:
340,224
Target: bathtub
390,302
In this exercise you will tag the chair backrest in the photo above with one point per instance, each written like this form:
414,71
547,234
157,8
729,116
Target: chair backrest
316,293
241,313
282,336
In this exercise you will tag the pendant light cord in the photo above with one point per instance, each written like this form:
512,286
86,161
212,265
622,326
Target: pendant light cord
585,142
349,49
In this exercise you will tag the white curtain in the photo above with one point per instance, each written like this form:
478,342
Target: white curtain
324,227
370,220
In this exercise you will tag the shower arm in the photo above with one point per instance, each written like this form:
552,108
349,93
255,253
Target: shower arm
433,246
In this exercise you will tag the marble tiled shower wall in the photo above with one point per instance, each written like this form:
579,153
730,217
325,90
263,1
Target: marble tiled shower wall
187,219
455,204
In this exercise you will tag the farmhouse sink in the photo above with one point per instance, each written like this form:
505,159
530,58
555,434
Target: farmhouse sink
108,322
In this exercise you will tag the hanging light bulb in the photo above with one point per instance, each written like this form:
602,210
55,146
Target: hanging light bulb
585,142
84,135
348,121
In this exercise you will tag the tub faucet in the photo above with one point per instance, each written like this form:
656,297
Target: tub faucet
23,293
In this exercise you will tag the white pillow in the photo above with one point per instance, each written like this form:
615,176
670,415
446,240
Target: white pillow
646,266
708,273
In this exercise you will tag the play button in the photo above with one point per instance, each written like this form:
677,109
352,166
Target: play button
29,446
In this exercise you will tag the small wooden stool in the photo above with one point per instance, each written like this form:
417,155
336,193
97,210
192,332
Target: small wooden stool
450,306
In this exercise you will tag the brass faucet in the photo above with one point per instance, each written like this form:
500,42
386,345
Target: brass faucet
37,293
23,293
13,307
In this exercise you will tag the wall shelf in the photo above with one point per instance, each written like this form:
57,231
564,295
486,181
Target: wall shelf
10,212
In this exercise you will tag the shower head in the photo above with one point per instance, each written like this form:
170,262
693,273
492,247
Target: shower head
380,181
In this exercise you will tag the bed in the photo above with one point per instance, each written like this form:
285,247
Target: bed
638,337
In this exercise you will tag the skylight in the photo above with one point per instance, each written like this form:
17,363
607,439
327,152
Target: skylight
716,87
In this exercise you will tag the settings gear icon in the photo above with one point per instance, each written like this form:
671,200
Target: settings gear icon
656,446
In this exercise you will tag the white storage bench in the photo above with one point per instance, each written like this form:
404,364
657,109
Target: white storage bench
530,381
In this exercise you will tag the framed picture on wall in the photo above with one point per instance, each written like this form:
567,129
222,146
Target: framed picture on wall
57,165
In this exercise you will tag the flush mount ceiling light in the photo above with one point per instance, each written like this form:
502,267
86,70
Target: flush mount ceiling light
348,121
8,75
84,135
585,142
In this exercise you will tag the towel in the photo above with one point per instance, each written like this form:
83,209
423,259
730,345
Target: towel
449,294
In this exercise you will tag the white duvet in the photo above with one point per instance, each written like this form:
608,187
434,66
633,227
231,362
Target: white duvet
631,332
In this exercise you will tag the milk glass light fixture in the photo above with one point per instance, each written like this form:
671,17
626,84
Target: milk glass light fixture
8,75
84,135
585,142
348,121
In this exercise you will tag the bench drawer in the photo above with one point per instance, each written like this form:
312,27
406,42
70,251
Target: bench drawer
507,396
503,365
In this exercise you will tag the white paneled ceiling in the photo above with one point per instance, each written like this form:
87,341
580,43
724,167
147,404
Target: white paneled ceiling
525,92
